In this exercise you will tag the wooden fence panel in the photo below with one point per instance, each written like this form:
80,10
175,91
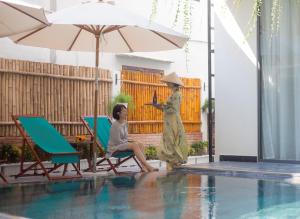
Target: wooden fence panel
61,93
147,119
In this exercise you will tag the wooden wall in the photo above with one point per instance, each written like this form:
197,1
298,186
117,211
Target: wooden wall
147,119
61,93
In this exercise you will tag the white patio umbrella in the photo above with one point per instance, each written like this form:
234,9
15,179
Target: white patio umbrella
99,26
18,16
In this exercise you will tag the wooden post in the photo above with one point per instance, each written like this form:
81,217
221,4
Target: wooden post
96,103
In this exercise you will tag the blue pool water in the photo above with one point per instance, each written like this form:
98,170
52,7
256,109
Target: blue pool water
154,195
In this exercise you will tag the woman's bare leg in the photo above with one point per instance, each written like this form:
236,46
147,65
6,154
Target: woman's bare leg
142,147
140,156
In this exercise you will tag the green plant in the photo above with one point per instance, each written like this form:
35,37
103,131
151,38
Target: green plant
120,98
198,148
9,153
27,154
12,153
205,106
151,153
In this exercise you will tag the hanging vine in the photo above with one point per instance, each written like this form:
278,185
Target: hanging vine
276,9
183,8
154,9
275,16
256,11
178,4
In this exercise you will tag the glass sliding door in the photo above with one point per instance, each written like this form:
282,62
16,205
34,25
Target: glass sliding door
280,87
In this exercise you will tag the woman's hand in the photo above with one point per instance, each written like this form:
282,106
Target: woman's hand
158,106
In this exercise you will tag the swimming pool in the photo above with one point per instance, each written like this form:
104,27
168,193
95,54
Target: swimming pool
154,195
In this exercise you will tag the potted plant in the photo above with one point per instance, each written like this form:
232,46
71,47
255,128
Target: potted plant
204,108
121,98
198,148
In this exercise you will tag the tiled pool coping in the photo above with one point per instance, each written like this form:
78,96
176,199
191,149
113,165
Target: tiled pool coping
259,170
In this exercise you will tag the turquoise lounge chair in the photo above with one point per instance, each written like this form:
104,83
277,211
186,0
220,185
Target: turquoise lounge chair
103,131
50,141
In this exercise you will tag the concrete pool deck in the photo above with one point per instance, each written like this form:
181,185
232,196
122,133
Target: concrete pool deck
199,164
9,170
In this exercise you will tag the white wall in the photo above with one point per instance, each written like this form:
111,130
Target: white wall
235,81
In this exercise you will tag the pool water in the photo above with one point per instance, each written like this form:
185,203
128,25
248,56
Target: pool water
154,195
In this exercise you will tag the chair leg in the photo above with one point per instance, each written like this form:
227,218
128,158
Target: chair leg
112,167
77,169
65,169
90,166
137,163
23,171
3,178
122,161
100,161
56,166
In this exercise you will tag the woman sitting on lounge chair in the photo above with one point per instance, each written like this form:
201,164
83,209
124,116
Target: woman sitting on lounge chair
118,140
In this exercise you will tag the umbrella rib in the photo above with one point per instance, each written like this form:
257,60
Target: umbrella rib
100,31
27,35
89,28
19,10
113,28
129,47
93,28
85,28
165,38
76,37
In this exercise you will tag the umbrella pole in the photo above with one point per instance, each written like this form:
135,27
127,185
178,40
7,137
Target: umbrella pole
94,149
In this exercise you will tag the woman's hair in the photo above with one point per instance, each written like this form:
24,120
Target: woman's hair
116,111
174,86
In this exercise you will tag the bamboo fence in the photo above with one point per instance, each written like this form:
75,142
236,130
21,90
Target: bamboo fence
146,119
61,93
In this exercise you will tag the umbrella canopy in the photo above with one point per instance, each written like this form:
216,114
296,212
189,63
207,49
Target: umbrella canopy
17,16
98,26
121,31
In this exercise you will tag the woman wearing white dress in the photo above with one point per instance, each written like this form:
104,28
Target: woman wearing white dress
118,140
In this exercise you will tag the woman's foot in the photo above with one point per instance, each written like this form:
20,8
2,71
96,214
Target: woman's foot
152,169
176,165
144,170
169,167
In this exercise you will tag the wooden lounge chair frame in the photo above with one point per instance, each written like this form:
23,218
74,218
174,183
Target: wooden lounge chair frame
1,176
26,142
112,166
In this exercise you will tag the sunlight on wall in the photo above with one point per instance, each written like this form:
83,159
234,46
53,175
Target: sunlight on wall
231,26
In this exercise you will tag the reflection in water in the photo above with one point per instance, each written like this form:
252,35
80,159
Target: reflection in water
153,195
173,188
146,199
211,196
275,193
